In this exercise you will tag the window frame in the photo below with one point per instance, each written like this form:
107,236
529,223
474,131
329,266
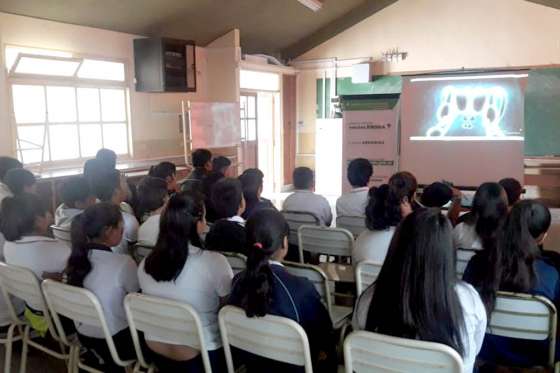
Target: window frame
14,78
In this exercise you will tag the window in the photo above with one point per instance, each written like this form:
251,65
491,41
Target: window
259,80
66,108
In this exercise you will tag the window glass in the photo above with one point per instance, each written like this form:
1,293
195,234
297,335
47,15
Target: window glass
88,105
46,66
64,142
31,139
105,70
12,53
91,139
29,103
259,80
113,105
61,103
113,134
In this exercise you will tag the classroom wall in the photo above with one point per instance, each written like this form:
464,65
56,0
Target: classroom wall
439,35
154,117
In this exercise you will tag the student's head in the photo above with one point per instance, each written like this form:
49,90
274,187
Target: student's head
382,212
415,293
77,194
489,209
437,194
359,172
20,181
221,164
513,189
227,198
100,224
209,181
182,222
202,158
304,178
109,186
92,169
107,158
252,183
168,172
152,195
267,238
24,215
403,186
6,164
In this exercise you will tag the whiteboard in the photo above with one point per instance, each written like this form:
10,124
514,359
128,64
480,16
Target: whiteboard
215,124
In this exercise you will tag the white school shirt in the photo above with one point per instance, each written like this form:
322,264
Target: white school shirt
353,203
63,216
205,278
474,315
237,219
465,237
130,233
372,245
307,201
37,253
111,278
5,316
149,231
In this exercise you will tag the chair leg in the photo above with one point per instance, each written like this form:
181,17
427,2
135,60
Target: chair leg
9,345
24,349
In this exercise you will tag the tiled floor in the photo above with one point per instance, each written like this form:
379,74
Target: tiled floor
37,361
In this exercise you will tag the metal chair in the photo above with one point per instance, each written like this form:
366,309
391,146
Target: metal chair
325,240
463,258
139,252
366,274
354,224
62,234
238,262
295,220
271,337
10,336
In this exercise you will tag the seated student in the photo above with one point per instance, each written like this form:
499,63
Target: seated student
25,225
267,288
383,214
110,187
107,158
76,197
7,164
417,294
152,197
168,172
515,264
207,185
489,209
93,266
252,184
222,165
227,233
513,190
20,181
305,200
405,182
438,195
202,163
93,168
178,268
354,202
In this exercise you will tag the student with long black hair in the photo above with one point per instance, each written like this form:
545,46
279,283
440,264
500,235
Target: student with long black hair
417,294
93,266
178,268
252,184
152,198
20,180
267,288
7,164
489,210
168,172
515,264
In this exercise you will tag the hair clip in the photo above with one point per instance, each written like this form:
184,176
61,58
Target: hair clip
258,245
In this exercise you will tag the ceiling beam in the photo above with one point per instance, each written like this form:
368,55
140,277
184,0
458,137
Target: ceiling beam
334,28
549,3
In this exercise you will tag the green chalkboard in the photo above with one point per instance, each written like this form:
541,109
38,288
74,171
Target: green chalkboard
542,113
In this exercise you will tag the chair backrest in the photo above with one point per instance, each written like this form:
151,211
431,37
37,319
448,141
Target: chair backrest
325,240
354,224
62,234
81,306
366,274
317,277
524,316
372,352
141,251
237,262
23,284
272,337
168,320
295,220
463,258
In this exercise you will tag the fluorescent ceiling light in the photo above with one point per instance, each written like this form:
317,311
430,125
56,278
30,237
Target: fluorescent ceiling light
468,77
314,5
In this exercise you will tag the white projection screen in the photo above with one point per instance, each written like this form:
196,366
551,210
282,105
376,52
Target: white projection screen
464,128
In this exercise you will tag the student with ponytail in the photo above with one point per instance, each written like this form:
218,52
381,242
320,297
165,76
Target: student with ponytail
267,288
515,264
179,268
110,276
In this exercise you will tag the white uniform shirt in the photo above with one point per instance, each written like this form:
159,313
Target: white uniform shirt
149,231
111,278
205,278
353,203
130,233
64,216
465,237
5,317
37,253
372,245
307,201
474,315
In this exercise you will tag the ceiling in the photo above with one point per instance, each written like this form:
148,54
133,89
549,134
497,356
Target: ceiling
278,27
